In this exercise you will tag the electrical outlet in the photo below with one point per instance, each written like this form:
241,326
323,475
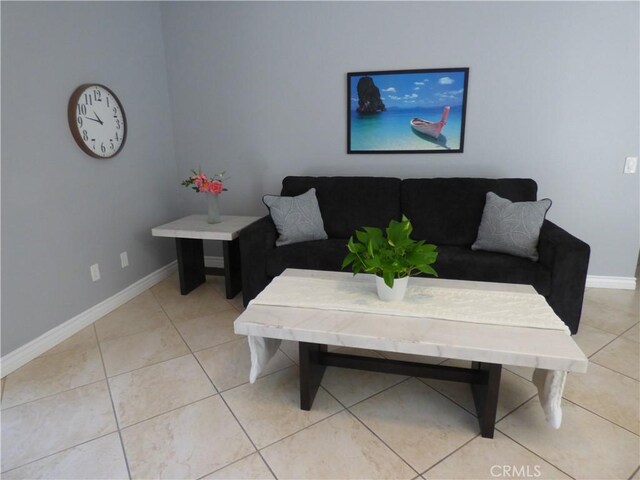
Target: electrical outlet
95,272
124,260
630,164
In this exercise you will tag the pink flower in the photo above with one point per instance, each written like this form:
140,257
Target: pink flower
216,187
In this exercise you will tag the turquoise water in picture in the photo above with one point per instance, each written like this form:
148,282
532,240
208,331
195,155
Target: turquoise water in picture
390,130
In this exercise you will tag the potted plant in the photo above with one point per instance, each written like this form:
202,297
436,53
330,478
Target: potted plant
213,186
393,257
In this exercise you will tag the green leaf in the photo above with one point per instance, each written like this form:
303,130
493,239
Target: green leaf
388,278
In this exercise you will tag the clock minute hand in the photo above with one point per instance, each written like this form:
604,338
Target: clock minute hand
94,120
98,118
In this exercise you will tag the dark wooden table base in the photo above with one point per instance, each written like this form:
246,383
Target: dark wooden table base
484,378
191,269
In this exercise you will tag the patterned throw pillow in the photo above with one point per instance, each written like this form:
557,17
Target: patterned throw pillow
512,228
297,219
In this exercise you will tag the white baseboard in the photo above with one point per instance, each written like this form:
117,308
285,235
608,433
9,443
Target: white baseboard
213,262
20,356
621,283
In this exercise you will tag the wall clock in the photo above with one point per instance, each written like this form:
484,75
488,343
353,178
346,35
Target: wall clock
97,120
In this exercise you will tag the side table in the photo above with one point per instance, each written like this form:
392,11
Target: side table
190,232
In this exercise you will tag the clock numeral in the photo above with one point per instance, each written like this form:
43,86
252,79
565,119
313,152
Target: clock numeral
118,123
85,135
88,99
79,121
97,95
115,111
117,137
107,101
111,146
82,109
102,148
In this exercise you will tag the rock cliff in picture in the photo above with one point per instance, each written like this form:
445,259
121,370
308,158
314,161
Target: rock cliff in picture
369,101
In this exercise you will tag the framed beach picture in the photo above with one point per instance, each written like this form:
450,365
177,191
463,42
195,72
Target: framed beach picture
407,111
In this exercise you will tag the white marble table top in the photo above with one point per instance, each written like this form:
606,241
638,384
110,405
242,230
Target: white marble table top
196,226
507,345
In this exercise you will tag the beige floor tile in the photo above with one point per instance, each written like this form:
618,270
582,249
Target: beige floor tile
500,457
237,302
624,300
607,318
586,446
137,315
418,423
228,365
291,349
153,390
338,447
200,302
53,373
514,390
142,349
611,395
189,442
84,339
269,410
249,468
98,459
208,331
621,355
49,425
591,339
352,386
633,333
524,372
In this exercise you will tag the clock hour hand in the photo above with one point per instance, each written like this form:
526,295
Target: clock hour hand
98,118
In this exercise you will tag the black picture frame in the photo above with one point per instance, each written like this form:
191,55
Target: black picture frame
407,111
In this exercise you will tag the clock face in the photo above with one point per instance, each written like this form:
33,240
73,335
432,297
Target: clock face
97,120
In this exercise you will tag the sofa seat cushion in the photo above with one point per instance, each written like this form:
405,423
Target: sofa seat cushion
462,263
313,255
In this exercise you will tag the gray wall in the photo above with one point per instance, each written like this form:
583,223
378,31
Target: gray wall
61,209
259,89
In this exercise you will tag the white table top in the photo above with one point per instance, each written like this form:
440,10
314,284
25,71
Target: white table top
196,226
529,347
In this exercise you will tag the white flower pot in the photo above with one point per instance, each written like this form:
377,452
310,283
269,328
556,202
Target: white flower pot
394,294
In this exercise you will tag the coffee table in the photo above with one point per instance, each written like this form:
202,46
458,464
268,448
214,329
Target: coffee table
190,232
487,346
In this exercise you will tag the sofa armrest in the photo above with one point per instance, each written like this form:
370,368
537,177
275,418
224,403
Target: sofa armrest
256,241
567,257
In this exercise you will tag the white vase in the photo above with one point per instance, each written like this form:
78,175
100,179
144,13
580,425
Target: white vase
393,294
213,209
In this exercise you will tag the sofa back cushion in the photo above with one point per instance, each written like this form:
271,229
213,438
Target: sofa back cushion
350,203
447,211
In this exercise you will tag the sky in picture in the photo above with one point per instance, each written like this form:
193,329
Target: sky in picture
411,90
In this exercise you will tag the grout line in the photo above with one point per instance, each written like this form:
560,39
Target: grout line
56,453
546,460
616,371
598,415
53,394
221,397
450,454
636,471
113,407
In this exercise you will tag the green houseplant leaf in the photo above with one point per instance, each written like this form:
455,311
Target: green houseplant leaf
390,254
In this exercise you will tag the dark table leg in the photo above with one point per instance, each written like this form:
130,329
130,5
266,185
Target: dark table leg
232,273
311,372
485,396
190,263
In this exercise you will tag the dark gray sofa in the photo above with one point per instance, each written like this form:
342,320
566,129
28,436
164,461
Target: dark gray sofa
443,211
